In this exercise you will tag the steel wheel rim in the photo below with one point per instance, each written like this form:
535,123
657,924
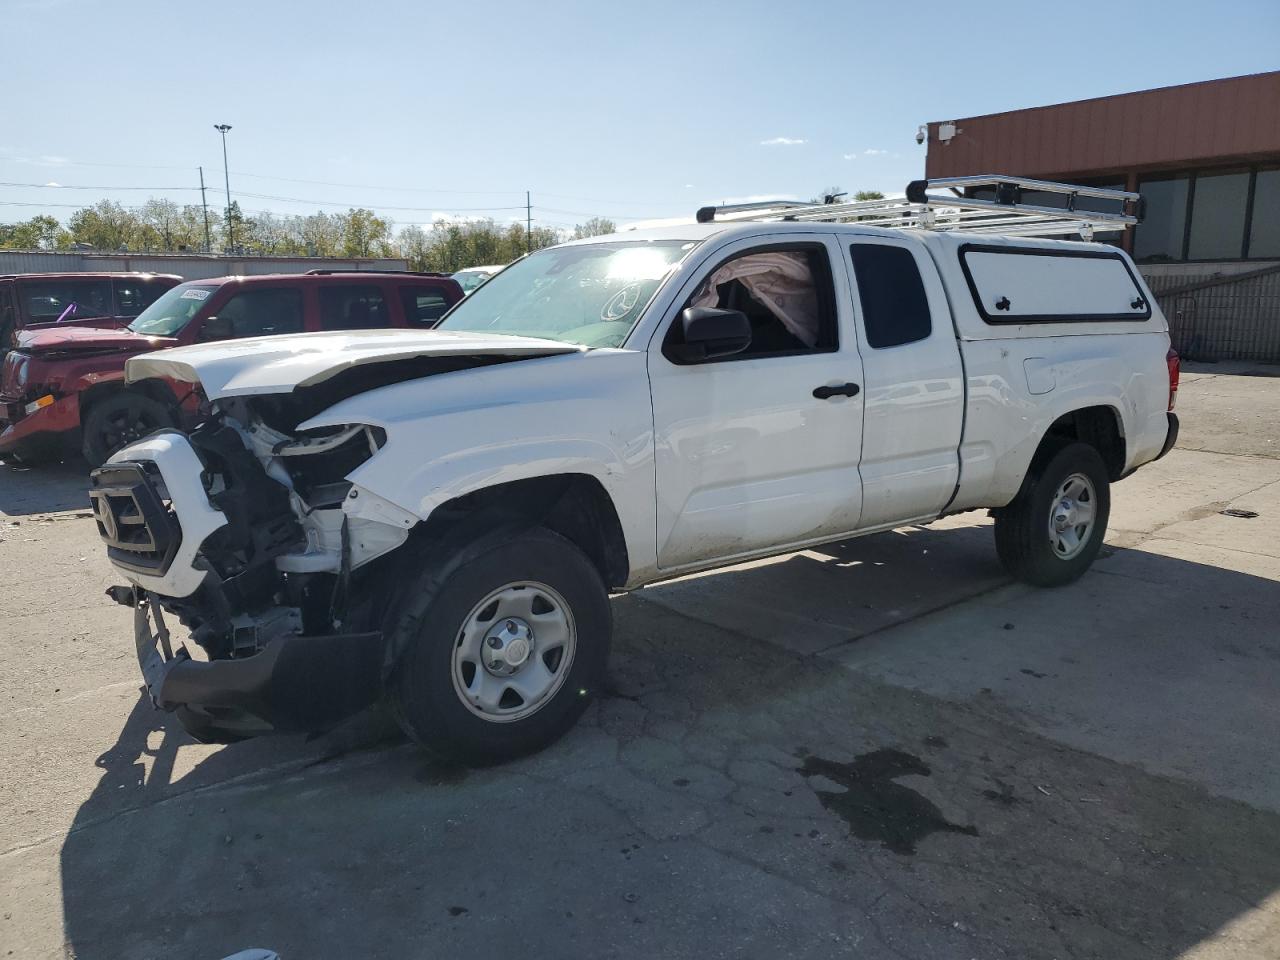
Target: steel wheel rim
513,651
125,428
1072,514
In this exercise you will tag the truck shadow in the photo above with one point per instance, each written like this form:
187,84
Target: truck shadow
739,735
59,486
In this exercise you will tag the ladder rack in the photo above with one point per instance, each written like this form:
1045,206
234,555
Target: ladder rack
988,204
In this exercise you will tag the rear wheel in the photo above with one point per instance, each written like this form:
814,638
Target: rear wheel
118,421
508,654
1053,529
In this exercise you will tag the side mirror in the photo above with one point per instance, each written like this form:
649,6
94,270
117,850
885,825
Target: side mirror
216,328
710,333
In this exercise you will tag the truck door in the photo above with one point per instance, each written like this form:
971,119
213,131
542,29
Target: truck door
914,389
760,449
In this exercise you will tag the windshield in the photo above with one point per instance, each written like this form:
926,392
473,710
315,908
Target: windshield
173,311
588,294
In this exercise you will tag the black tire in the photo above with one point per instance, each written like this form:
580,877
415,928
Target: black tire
119,420
421,691
1023,537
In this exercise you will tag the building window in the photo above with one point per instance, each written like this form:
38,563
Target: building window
1160,235
1217,217
1264,228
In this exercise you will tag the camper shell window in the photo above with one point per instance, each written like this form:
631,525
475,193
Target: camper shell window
1042,285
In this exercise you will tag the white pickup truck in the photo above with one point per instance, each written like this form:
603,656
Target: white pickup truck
438,518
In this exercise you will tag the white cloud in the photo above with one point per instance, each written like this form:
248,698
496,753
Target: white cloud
53,183
688,186
872,152
56,161
783,142
850,156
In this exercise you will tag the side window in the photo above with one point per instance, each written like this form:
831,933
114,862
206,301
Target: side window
423,306
260,313
45,300
134,296
353,307
786,293
895,308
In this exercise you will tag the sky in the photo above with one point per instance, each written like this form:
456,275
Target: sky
632,111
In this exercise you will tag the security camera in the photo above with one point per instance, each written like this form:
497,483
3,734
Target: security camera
921,134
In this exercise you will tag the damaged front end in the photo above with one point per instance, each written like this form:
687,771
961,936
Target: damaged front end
249,533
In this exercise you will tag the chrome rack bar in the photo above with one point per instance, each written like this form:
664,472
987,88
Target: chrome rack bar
1005,212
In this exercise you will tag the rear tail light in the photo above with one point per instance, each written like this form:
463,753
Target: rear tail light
1175,370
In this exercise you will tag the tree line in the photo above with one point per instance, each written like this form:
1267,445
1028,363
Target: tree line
162,226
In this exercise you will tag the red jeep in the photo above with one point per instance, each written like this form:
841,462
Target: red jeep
61,384
30,300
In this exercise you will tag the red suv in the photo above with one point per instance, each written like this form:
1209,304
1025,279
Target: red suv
80,299
62,384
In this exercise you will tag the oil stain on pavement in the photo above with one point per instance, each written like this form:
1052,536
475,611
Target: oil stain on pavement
874,806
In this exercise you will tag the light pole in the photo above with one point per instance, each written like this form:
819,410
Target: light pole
222,128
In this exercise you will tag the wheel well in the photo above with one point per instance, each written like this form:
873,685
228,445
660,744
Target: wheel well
1099,427
574,505
153,389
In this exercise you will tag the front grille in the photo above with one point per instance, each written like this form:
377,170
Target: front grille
134,520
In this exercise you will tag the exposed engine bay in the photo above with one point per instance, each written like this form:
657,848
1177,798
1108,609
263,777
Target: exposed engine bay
296,528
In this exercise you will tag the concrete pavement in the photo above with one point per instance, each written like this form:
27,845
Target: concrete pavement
881,748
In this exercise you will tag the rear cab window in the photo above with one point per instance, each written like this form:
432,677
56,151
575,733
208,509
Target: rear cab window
1043,285
895,307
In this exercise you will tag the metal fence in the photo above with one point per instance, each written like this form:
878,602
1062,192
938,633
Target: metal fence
1217,316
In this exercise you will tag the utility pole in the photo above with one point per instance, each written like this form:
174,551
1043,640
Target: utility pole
222,128
208,243
528,223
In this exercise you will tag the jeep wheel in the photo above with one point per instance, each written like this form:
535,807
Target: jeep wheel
508,654
1053,529
120,420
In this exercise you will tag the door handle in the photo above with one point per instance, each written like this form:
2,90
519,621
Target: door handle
842,390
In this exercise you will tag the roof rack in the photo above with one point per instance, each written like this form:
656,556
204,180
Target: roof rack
987,204
331,271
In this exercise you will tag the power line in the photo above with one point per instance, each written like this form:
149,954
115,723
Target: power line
78,186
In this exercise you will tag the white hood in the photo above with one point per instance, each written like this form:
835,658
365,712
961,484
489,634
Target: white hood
281,364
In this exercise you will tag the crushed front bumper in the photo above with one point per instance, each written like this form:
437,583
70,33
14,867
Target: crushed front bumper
295,684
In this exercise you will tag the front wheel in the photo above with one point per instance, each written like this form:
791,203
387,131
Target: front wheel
118,421
508,654
1053,529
